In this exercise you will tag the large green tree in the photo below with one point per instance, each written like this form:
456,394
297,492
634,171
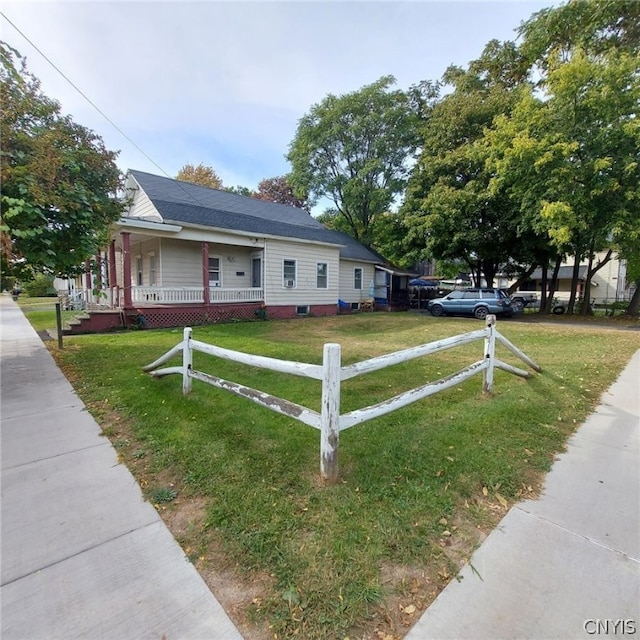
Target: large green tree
596,26
59,182
451,212
569,153
355,150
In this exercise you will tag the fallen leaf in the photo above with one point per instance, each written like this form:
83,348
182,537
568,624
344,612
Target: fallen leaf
501,500
410,609
485,491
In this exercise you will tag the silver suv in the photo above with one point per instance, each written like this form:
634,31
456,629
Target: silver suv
477,302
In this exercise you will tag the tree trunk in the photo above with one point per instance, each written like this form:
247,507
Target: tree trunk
522,278
634,304
586,307
554,284
476,270
489,269
586,294
543,288
574,284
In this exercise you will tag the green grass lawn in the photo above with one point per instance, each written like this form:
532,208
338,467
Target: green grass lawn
41,313
418,489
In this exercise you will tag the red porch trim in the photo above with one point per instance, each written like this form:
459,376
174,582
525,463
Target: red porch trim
126,261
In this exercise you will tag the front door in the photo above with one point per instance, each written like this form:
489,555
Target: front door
256,272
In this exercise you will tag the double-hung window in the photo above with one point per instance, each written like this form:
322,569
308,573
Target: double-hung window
214,272
322,275
357,278
289,269
139,271
152,270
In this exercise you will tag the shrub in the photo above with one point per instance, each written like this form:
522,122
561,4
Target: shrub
40,286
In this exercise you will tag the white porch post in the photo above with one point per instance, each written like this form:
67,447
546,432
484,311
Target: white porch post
126,268
112,276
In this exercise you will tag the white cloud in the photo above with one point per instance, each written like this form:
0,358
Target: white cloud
225,83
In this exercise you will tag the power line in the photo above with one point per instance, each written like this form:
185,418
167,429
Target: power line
102,113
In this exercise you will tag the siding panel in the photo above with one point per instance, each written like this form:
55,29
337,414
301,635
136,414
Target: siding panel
347,291
141,206
306,256
182,264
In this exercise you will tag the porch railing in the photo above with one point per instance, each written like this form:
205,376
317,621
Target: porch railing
250,294
177,295
85,299
141,295
88,299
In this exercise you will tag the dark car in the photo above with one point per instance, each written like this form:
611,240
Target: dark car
477,302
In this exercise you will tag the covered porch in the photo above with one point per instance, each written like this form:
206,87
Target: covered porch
148,263
151,275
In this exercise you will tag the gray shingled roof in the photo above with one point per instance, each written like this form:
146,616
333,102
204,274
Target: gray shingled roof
185,203
564,273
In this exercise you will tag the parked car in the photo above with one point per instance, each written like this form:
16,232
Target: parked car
475,301
524,298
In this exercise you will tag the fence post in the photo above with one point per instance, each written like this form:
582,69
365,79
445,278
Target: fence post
490,354
330,413
59,325
187,360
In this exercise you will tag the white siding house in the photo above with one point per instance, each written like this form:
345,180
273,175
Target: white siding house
609,284
185,253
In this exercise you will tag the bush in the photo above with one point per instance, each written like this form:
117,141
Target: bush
41,286
7,283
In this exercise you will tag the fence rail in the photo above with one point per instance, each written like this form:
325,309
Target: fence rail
329,421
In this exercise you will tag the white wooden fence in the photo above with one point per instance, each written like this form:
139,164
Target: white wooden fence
329,421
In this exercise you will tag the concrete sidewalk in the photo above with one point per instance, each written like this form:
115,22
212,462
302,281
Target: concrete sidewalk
566,565
83,555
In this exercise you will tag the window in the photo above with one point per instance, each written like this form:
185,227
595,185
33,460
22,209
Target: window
289,274
357,278
152,269
302,310
214,272
321,275
139,273
256,272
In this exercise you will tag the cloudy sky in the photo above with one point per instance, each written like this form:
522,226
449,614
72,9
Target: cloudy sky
225,82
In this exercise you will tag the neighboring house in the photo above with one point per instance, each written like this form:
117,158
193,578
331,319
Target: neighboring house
609,284
186,254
